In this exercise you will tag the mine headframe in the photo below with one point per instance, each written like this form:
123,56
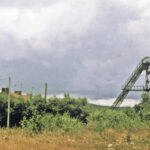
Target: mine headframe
129,84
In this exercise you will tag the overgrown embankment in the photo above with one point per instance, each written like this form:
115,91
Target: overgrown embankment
70,114
74,119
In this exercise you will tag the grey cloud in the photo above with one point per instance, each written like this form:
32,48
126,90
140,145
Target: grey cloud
29,4
93,63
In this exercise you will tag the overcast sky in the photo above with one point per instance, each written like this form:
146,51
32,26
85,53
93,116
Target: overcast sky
85,47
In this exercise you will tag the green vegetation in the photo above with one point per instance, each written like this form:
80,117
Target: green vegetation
72,114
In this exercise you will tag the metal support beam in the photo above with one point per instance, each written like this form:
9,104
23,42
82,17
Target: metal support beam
129,85
146,79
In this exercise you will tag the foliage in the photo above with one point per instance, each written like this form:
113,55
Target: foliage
32,123
49,122
107,118
143,109
26,109
70,113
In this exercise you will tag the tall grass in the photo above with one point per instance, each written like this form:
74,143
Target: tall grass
117,139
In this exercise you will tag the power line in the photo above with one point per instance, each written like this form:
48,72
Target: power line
4,78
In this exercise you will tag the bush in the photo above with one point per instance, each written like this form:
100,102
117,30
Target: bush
143,109
33,124
64,122
131,113
70,113
21,108
49,122
106,118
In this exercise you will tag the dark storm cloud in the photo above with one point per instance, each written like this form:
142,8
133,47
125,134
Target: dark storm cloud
81,47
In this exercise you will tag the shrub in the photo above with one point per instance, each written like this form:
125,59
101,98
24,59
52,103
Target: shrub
64,122
106,118
143,109
33,124
49,122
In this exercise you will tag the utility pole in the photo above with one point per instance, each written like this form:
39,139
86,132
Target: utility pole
15,87
31,95
21,85
8,111
46,92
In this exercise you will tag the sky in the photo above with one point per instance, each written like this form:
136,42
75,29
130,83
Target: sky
82,47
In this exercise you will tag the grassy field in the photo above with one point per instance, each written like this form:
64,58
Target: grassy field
18,139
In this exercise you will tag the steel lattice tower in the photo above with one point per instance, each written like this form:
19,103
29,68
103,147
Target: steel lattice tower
129,85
